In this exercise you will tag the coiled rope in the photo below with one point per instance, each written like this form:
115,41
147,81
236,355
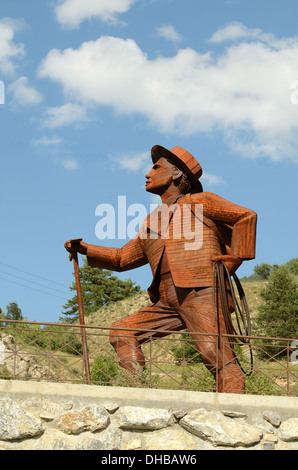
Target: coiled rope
242,331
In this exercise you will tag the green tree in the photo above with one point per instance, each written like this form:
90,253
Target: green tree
13,312
263,270
278,315
99,287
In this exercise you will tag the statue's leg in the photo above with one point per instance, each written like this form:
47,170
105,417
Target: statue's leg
127,347
198,313
127,339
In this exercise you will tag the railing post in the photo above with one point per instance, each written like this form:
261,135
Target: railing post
216,365
150,361
288,368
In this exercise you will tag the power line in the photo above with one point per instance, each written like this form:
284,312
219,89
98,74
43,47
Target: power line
31,282
32,288
34,275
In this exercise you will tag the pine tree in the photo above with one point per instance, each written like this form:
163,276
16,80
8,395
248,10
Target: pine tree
13,312
99,287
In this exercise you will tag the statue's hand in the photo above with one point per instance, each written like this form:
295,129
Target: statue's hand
76,246
231,262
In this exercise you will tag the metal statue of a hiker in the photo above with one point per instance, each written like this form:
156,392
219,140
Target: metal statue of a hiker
184,285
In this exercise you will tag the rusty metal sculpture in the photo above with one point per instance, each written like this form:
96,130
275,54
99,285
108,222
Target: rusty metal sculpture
184,289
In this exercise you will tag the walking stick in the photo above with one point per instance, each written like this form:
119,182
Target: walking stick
74,256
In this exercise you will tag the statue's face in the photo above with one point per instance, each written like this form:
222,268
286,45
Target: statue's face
160,177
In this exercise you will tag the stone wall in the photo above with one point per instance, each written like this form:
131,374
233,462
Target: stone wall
47,416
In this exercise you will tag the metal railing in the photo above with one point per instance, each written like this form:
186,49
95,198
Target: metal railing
53,352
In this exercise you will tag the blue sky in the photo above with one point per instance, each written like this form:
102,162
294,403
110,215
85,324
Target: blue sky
91,86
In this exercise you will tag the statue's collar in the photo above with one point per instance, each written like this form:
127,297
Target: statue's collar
172,200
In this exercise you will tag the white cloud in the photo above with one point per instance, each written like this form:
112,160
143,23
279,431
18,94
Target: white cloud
23,94
65,115
168,32
237,31
47,141
70,164
9,50
212,180
70,13
133,162
244,91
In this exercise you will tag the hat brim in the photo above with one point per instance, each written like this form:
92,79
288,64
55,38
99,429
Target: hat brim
158,151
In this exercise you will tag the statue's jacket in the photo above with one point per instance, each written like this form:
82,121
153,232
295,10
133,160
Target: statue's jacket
193,230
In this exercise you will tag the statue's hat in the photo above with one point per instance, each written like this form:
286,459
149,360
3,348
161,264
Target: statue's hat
183,160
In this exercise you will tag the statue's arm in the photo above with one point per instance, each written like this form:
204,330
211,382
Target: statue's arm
130,256
241,221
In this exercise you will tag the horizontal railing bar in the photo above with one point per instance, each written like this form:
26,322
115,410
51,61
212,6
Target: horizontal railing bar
95,327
